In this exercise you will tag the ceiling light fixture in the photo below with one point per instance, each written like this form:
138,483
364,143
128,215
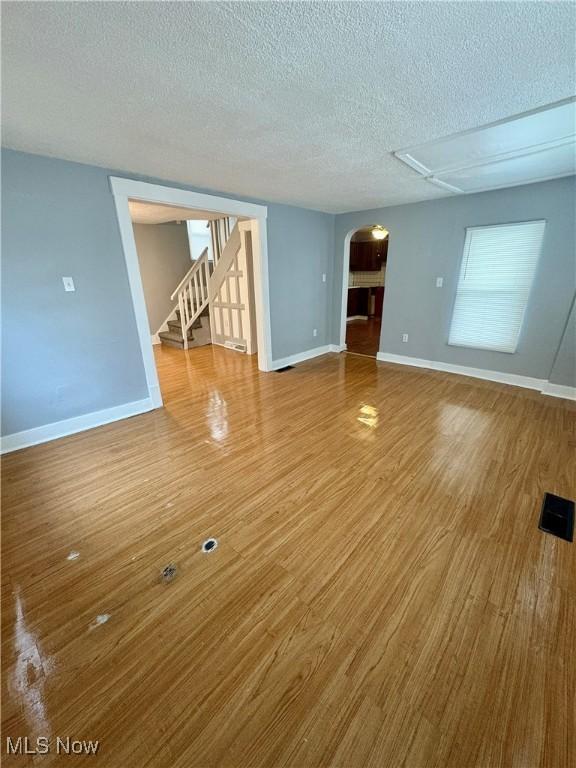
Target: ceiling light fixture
379,233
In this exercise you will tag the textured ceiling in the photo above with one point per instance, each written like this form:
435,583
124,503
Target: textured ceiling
295,102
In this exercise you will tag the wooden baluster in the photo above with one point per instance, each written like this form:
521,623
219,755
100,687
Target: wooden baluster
236,268
188,303
201,288
213,236
182,317
194,296
215,241
204,280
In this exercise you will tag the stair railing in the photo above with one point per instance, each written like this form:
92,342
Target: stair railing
193,294
220,230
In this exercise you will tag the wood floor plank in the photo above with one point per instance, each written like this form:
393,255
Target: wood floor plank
380,596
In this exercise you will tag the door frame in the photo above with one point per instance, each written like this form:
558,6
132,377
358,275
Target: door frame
123,190
345,278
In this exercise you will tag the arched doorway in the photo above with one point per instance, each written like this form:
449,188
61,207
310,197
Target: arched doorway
368,255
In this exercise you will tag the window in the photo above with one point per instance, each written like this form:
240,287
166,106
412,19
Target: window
496,275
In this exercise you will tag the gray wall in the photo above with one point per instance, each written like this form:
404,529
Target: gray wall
164,256
564,368
426,241
67,354
63,354
303,245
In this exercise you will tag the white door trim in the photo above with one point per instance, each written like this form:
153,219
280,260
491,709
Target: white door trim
345,279
125,189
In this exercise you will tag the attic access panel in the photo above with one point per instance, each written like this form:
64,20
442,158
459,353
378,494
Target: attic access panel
532,146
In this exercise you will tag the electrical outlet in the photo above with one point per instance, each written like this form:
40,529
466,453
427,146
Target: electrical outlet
315,332
323,277
439,282
68,284
404,337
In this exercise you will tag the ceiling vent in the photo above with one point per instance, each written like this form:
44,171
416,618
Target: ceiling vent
534,146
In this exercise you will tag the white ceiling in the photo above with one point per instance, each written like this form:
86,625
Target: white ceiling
301,103
156,213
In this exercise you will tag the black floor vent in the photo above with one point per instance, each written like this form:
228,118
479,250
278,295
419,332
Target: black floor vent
557,517
286,368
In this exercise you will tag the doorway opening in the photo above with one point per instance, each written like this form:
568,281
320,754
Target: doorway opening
197,275
365,289
170,243
213,287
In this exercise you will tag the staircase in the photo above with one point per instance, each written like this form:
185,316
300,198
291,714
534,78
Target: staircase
215,305
189,325
198,333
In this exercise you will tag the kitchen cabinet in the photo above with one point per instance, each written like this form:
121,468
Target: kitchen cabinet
369,256
358,299
365,302
379,301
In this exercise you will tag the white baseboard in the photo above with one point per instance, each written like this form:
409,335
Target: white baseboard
337,348
155,339
70,426
356,317
155,396
559,390
463,370
301,356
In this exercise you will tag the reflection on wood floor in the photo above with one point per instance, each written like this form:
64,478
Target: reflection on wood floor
380,595
363,336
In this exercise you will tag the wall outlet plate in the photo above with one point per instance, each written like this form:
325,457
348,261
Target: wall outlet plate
68,284
439,282
404,338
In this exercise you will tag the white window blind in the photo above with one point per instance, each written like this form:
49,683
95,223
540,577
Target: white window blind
496,275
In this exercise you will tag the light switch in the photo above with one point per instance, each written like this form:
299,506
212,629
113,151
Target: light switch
439,282
323,277
68,284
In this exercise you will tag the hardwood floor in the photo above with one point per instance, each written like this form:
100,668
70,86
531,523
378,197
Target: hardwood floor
363,336
380,596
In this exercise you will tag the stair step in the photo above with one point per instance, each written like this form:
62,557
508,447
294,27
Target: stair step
170,343
198,335
176,328
172,339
